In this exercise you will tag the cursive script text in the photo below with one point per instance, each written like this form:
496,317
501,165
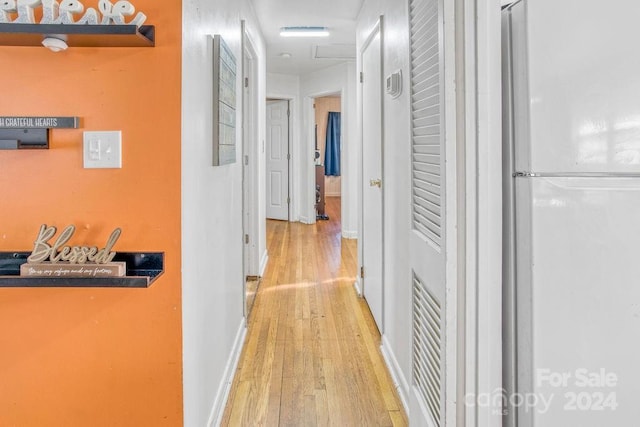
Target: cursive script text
43,250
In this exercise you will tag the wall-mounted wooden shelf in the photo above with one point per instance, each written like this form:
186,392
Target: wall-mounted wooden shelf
78,35
142,270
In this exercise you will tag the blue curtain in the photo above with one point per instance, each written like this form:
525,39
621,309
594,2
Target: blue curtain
332,147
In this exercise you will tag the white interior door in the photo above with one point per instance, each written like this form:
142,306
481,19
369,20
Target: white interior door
246,171
372,176
428,210
250,156
277,153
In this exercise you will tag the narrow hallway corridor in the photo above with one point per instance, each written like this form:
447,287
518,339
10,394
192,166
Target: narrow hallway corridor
311,355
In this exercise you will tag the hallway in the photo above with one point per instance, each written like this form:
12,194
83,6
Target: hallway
311,355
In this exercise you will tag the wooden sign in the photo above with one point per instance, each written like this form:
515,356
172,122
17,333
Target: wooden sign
55,252
52,258
66,269
10,122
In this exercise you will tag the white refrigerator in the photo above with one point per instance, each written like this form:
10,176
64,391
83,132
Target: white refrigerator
571,279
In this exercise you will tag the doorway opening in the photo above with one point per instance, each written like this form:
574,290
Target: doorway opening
328,157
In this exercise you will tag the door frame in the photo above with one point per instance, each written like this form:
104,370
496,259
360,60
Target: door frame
289,137
378,28
473,120
250,151
479,50
310,113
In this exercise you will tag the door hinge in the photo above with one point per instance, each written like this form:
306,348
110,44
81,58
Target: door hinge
246,160
288,200
288,112
288,156
361,77
246,239
246,82
314,105
362,272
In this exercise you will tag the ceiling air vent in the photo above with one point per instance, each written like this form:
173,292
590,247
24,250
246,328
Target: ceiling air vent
334,51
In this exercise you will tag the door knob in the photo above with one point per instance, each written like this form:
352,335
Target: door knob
375,183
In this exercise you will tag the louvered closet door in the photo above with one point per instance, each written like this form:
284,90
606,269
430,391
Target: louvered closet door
428,210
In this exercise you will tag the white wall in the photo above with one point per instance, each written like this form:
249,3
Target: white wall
285,86
212,283
350,188
397,184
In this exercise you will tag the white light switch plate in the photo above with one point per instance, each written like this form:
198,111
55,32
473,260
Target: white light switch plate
102,149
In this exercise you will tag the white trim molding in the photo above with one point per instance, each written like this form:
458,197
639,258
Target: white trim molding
483,204
358,287
263,262
349,234
305,220
399,381
217,411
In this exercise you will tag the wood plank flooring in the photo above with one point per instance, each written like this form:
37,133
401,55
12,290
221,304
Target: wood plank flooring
311,356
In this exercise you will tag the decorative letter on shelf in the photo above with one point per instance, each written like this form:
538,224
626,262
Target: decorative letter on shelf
224,103
6,7
63,13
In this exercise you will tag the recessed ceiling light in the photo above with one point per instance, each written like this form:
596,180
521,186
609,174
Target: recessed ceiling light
304,32
285,55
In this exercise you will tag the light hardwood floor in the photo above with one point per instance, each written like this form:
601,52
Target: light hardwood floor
311,356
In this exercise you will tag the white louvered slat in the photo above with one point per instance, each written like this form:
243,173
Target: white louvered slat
427,348
426,111
427,189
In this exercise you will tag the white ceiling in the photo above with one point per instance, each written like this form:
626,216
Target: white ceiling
338,15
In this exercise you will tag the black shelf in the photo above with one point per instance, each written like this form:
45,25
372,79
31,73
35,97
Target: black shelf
78,35
142,270
33,132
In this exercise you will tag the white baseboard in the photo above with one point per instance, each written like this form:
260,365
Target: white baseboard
346,234
399,380
305,220
227,378
263,263
357,286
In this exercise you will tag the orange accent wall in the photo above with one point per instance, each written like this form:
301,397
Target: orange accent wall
95,357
